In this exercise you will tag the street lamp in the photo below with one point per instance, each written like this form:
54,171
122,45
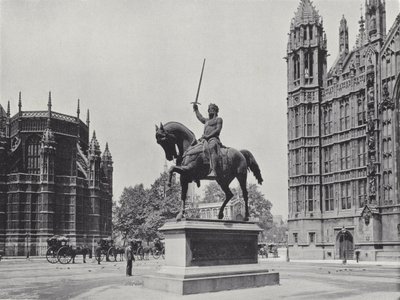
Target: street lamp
343,232
27,245
287,246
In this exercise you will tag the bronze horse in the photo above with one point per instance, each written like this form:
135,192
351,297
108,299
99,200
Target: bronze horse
191,163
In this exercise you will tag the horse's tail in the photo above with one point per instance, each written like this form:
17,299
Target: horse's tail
252,165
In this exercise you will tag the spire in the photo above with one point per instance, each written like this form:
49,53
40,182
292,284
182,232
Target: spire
78,110
8,109
305,14
87,118
343,37
94,147
107,154
49,111
19,103
49,102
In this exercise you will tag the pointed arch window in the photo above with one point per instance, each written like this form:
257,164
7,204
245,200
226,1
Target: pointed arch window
362,192
309,123
33,155
344,115
361,115
310,198
296,68
347,115
308,66
309,161
296,122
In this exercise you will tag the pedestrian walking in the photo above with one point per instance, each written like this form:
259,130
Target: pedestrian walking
357,251
129,258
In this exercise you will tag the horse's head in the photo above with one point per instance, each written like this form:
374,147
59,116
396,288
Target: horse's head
167,141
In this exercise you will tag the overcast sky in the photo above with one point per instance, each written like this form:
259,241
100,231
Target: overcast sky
135,64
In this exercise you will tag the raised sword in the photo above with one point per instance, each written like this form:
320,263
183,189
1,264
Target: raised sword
198,88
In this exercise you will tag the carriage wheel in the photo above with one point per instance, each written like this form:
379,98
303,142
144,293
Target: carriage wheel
112,254
102,255
140,253
156,253
64,255
51,256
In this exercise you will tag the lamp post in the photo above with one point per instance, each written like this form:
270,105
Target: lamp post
287,246
27,245
343,231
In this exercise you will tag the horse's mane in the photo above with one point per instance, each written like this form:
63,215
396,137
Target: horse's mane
172,123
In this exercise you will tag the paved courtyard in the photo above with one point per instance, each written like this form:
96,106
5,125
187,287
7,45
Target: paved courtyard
37,279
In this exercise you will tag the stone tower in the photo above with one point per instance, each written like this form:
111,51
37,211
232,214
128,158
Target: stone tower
94,185
306,65
375,17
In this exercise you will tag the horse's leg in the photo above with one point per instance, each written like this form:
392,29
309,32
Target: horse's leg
242,178
180,170
228,196
84,256
184,186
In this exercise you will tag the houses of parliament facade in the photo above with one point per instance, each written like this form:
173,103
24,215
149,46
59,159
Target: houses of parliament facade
53,181
344,138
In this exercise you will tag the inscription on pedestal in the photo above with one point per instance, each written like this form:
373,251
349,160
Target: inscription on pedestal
222,249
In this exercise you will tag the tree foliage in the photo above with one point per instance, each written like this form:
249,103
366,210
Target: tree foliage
141,212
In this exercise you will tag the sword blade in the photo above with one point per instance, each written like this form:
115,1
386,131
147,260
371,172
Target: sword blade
198,88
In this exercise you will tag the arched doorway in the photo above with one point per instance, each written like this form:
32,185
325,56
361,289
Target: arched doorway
344,244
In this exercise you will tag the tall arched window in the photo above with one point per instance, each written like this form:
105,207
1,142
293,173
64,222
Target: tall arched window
296,122
309,121
341,116
296,67
347,115
33,155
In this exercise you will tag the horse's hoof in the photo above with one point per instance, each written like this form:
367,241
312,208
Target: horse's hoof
220,216
246,219
169,184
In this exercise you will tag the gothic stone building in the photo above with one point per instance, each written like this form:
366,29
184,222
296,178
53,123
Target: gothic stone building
53,180
344,138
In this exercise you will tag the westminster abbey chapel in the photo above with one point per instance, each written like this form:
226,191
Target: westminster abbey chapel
53,181
344,138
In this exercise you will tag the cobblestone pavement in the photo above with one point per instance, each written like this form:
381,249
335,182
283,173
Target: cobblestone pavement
37,279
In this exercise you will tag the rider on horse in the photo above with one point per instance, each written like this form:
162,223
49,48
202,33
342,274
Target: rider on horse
212,129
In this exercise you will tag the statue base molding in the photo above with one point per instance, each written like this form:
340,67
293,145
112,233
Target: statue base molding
210,255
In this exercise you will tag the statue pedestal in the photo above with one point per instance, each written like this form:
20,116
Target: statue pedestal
208,256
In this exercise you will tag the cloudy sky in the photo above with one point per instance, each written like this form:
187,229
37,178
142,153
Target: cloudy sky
134,64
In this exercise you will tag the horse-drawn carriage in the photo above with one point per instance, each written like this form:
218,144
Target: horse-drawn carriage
54,244
107,249
264,249
59,250
158,249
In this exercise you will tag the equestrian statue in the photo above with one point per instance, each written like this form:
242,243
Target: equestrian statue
206,158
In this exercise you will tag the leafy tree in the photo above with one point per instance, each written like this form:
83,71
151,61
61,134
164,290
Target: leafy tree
164,199
259,207
131,211
141,212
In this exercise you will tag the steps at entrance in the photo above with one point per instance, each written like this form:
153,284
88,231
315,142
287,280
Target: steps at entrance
388,256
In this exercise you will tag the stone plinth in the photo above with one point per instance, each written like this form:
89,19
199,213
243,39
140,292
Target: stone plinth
210,255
